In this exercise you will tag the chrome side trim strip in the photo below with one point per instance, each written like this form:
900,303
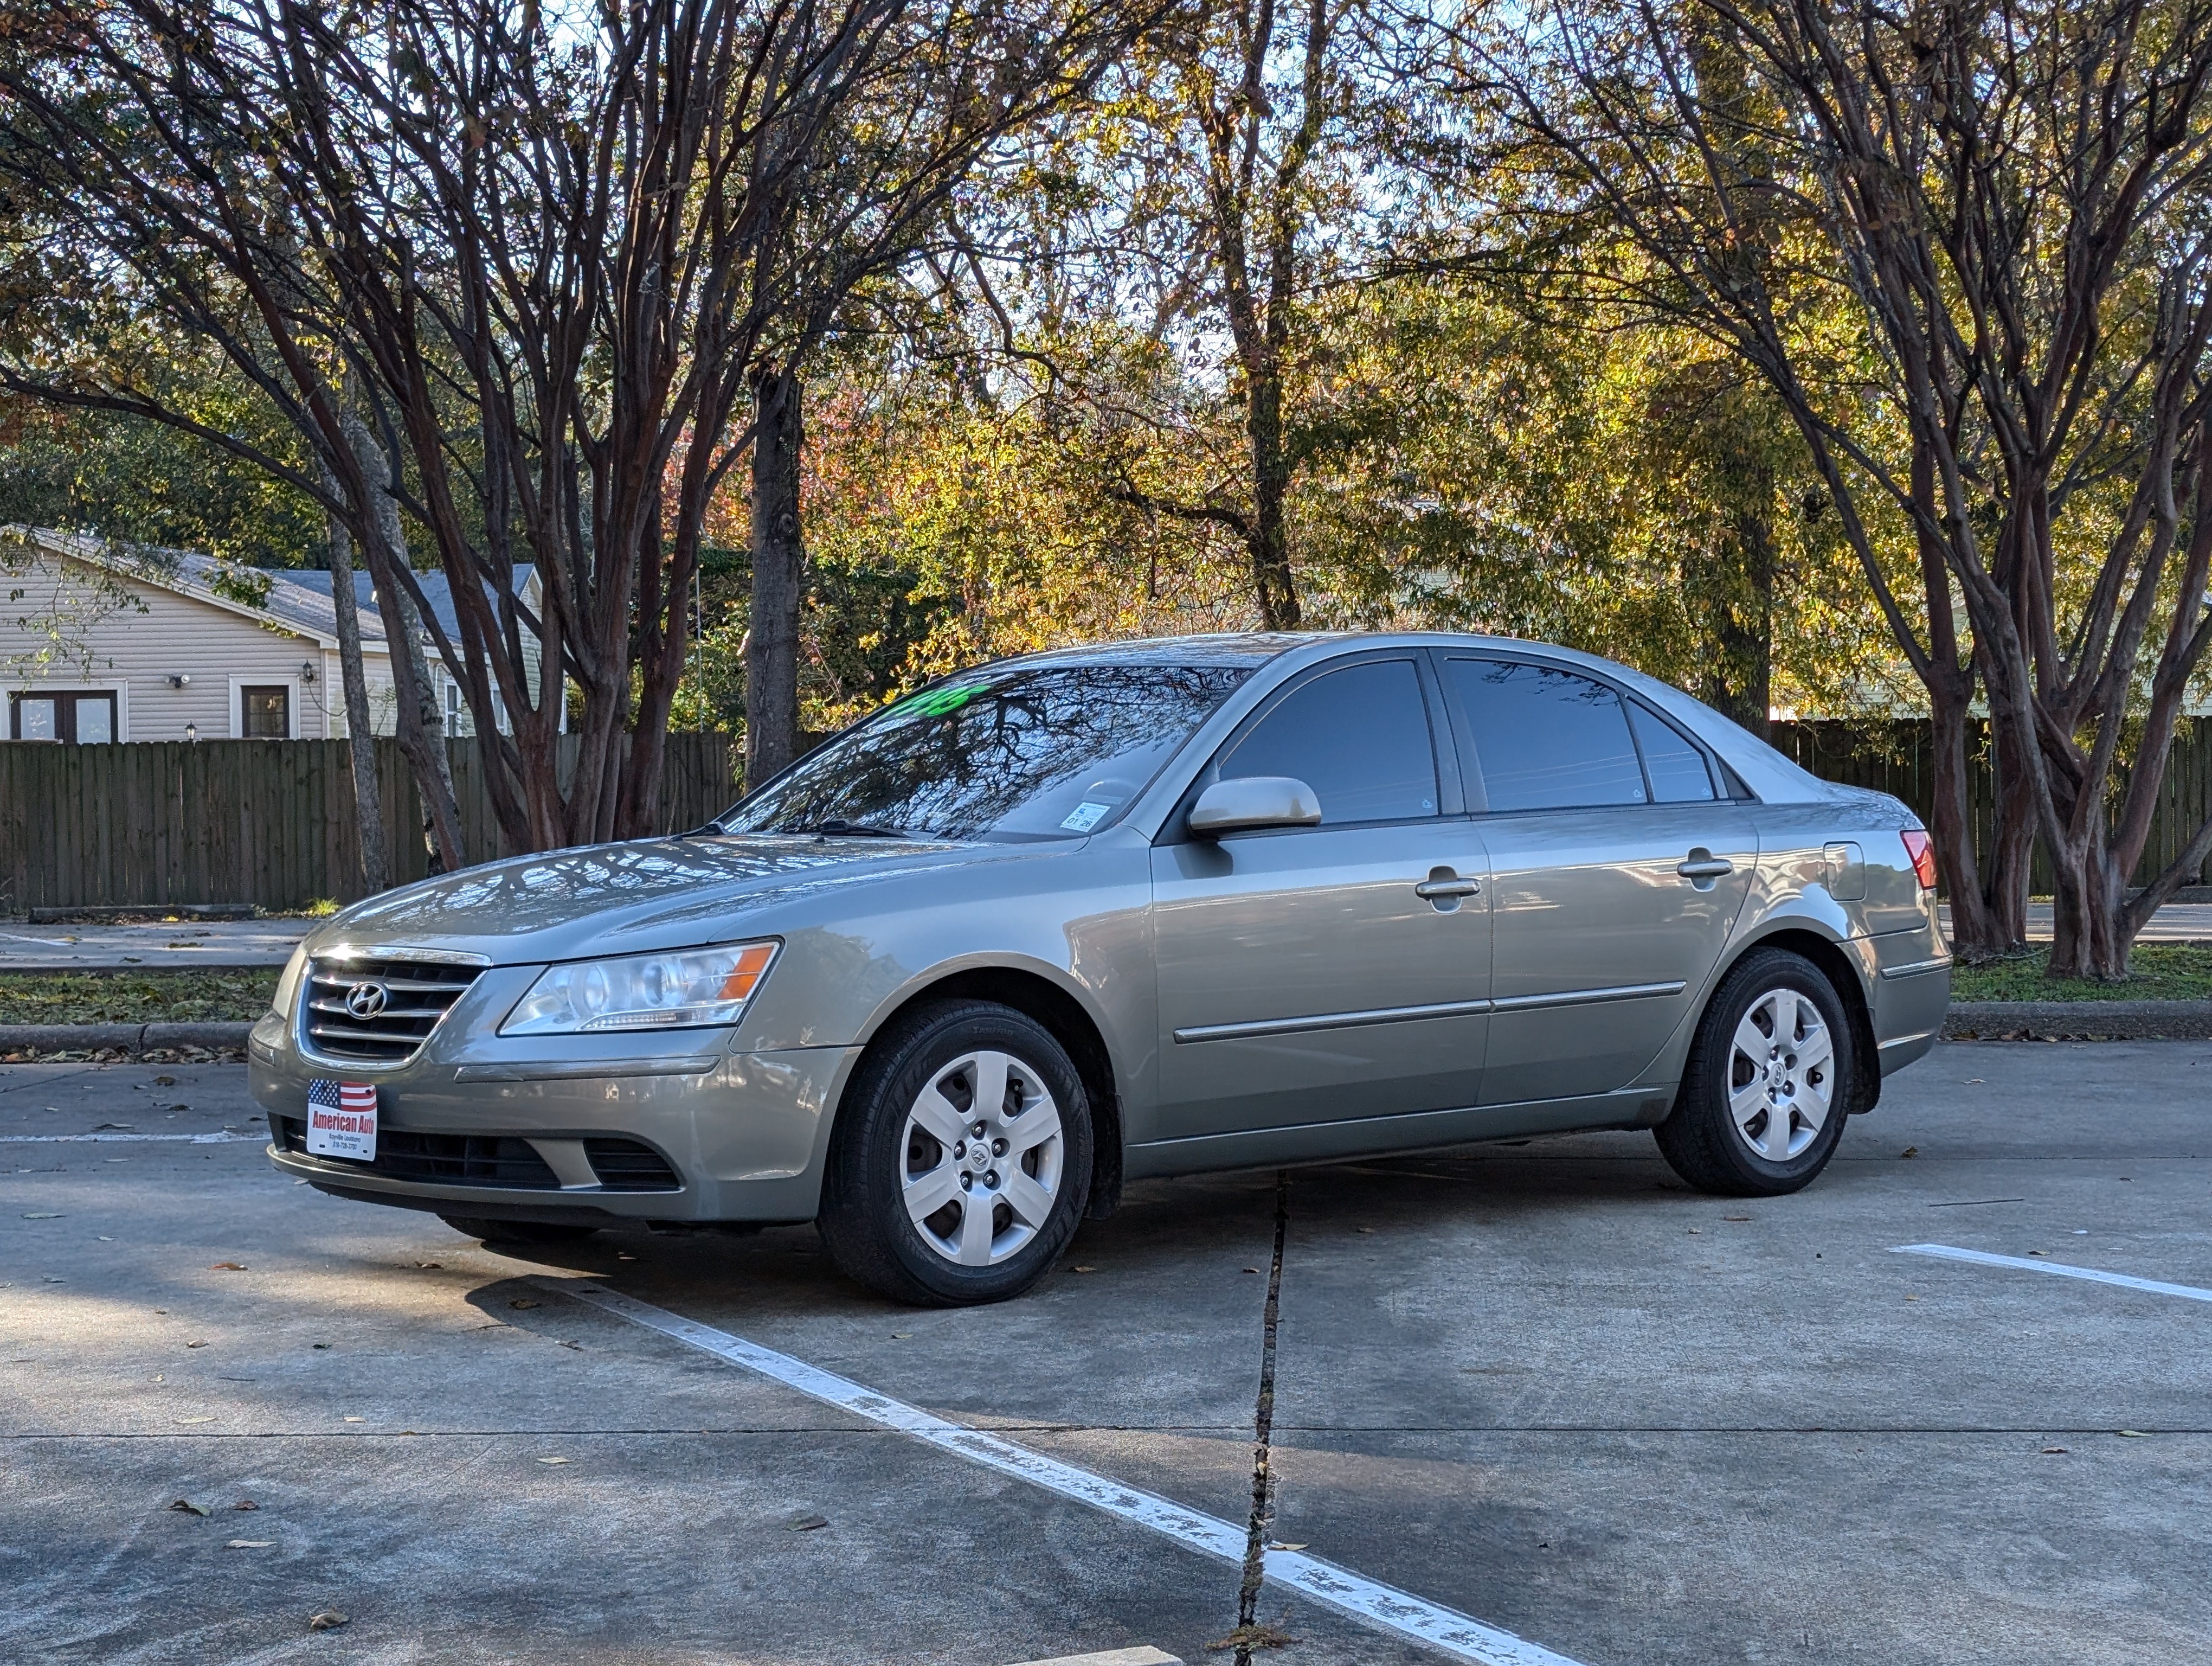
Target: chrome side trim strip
1448,1009
1588,997
1917,967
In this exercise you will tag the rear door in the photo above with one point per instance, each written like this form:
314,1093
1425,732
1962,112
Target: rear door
1325,974
1616,871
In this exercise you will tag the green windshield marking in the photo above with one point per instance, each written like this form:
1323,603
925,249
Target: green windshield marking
935,702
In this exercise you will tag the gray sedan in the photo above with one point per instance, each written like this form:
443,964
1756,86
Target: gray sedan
947,983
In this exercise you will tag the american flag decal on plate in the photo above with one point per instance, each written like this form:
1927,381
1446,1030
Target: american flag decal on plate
341,1120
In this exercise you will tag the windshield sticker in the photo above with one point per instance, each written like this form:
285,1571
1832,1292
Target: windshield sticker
1085,816
935,702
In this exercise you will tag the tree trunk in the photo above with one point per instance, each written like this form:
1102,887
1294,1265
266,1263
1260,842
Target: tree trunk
1732,608
420,719
1976,934
779,561
1268,543
361,724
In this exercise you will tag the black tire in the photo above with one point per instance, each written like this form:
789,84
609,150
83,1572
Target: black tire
518,1231
865,1221
1702,1139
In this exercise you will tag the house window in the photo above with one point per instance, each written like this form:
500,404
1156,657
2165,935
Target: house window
267,710
81,717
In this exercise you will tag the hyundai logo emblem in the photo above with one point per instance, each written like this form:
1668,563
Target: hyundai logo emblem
366,1001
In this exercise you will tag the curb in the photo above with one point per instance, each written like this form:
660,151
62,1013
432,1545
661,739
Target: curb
120,1037
2079,1020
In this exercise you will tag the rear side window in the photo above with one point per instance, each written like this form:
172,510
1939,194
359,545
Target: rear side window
1545,738
1677,768
1358,736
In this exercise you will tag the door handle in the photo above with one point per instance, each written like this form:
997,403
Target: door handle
1705,867
1432,889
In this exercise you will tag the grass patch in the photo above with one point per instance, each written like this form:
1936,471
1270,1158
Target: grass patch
136,997
2158,971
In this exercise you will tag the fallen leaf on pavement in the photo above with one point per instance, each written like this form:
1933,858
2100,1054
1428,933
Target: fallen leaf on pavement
1286,1544
431,1266
328,1620
1252,1637
195,1344
902,1337
1251,1269
357,1419
119,1128
2132,1434
556,1460
564,1342
806,1524
209,1418
246,1504
45,1214
2052,1451
1083,1269
319,1345
1735,1217
165,1081
227,1267
188,1507
1363,1229
522,1301
1910,1150
249,1544
2038,1252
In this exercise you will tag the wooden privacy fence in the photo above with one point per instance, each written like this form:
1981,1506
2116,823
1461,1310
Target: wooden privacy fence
270,822
1897,756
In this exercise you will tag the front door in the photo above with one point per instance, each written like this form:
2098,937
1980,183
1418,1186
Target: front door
1325,974
1617,871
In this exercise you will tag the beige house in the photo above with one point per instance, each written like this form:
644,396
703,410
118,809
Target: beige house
99,643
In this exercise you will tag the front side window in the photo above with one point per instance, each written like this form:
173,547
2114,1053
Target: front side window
1546,738
1358,736
268,712
1010,754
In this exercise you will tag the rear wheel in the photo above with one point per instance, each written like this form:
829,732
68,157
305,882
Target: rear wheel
1767,1084
961,1162
518,1231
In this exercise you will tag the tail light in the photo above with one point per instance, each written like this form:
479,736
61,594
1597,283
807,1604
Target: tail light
1921,851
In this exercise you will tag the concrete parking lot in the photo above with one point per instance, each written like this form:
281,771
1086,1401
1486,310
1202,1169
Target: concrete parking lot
1540,1385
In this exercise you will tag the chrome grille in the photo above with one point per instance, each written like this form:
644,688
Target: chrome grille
336,1024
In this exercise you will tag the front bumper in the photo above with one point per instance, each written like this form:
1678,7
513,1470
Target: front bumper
744,1135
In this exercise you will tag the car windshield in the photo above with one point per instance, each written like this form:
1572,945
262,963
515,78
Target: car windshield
1043,752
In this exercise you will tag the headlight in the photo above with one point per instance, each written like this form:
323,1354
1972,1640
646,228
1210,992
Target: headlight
691,987
288,982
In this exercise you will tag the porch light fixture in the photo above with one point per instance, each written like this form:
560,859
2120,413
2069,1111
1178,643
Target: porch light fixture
178,680
307,671
192,734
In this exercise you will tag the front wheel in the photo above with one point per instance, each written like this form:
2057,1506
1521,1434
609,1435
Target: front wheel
961,1162
1767,1082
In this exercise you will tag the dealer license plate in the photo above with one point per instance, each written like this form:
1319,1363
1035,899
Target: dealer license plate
341,1120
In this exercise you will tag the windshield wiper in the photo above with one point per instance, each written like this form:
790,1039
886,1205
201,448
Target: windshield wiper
837,826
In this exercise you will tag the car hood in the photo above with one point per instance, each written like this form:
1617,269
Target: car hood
631,898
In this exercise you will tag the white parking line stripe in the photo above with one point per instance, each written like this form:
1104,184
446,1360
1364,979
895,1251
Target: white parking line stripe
1946,1252
125,1139
1409,1615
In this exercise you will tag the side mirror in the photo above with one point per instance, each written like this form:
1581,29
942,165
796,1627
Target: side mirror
1233,807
